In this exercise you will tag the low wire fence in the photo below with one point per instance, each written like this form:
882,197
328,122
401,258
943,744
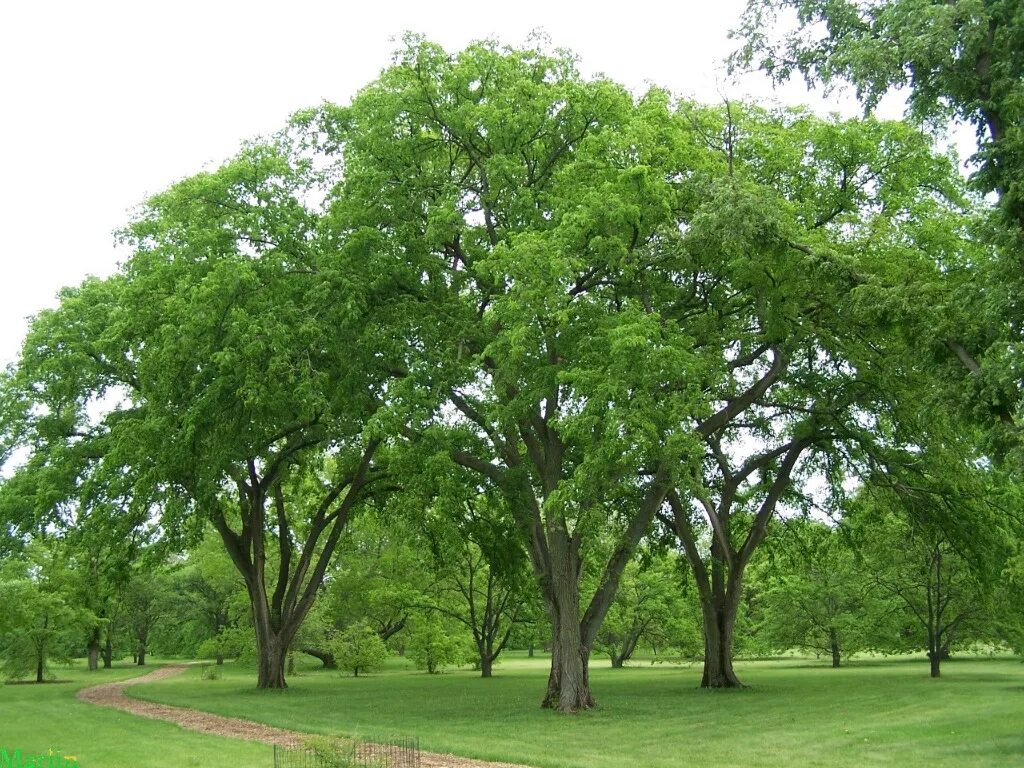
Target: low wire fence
351,753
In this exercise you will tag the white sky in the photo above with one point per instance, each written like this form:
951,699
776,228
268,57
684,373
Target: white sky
105,102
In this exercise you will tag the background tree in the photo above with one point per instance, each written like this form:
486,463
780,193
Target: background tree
814,594
935,545
147,602
359,648
40,622
481,573
648,608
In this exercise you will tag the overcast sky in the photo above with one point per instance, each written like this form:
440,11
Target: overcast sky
103,103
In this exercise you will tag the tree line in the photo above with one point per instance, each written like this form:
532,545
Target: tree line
552,324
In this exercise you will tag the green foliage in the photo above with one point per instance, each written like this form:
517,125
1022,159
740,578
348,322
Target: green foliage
651,610
211,672
815,595
40,624
953,60
941,596
231,642
359,648
434,646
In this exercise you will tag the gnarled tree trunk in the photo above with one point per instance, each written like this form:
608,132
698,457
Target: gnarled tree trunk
719,625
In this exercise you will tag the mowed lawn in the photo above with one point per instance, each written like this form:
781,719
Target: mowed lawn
878,712
38,718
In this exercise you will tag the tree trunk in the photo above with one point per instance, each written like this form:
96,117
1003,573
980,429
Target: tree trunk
628,647
486,664
220,659
529,651
272,655
326,657
569,678
93,655
833,641
108,653
935,658
719,623
39,668
142,656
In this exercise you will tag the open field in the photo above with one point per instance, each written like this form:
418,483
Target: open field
38,718
884,712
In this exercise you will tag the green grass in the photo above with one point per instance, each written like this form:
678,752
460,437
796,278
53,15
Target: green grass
38,718
879,712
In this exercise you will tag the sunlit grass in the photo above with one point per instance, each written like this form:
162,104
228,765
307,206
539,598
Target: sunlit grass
878,712
39,718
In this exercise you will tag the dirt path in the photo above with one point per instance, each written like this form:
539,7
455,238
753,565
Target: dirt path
113,695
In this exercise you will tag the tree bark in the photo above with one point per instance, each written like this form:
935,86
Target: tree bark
142,656
833,641
935,660
486,665
569,678
326,657
108,653
719,623
93,654
272,653
39,668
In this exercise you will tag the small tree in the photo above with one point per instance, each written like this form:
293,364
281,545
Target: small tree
814,595
229,641
359,648
38,622
432,646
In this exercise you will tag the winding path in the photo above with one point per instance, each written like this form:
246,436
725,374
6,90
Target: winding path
113,695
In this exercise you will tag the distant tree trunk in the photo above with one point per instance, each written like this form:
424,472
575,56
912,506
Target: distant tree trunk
220,659
39,668
108,653
93,654
326,657
529,650
833,642
625,652
388,629
141,660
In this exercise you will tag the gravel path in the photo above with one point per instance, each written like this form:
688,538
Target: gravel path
113,695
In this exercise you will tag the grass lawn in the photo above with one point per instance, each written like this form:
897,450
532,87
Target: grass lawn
38,718
795,713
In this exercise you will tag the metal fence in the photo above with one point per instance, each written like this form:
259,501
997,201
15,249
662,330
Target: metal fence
354,753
